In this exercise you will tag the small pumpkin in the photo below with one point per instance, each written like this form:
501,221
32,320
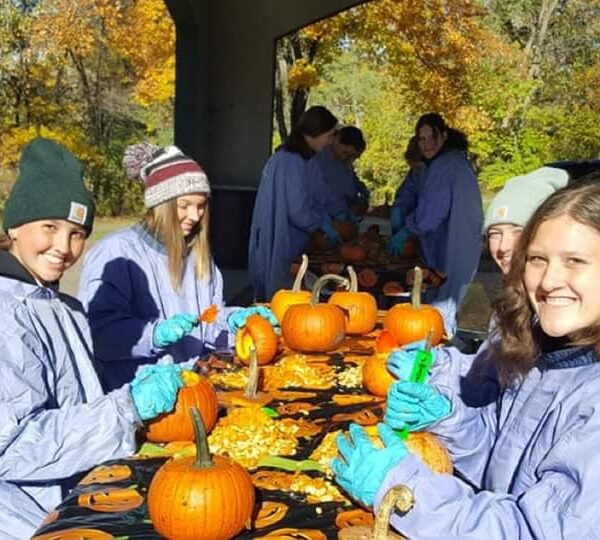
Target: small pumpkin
177,425
346,229
269,513
352,252
284,298
428,447
376,377
106,474
200,498
111,500
318,242
360,306
385,342
257,332
315,327
368,278
412,322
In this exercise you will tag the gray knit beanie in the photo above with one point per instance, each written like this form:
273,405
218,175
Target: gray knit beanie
520,197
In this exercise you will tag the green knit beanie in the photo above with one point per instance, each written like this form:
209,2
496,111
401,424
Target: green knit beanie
49,186
520,197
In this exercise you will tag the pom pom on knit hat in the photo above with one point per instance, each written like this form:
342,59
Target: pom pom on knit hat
167,173
520,197
49,186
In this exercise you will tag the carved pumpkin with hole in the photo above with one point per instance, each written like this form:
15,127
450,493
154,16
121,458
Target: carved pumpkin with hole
360,306
376,377
412,322
258,332
284,298
177,425
201,497
315,327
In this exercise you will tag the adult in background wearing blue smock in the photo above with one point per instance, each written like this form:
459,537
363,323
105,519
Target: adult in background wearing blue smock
145,286
448,216
285,214
55,421
530,454
332,180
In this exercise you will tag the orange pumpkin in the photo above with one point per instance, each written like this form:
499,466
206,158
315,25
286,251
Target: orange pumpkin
368,278
346,229
258,332
352,252
111,500
428,447
385,342
376,377
105,474
314,327
318,242
200,498
177,425
284,298
412,322
360,306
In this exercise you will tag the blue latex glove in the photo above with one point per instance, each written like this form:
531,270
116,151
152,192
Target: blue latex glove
364,466
173,329
345,215
237,319
154,389
401,361
332,235
396,243
396,219
415,406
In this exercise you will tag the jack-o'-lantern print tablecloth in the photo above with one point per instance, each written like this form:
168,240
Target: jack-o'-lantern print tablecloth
285,440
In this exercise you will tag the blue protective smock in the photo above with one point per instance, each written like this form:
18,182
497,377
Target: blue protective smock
448,219
407,194
284,216
55,421
531,456
126,290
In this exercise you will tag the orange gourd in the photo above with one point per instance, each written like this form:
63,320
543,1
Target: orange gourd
360,306
177,425
200,498
376,377
284,298
315,327
412,322
258,332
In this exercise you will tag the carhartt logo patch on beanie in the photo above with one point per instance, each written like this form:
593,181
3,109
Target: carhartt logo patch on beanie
520,197
167,173
49,186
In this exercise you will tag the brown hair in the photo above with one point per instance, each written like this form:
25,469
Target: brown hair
162,222
521,336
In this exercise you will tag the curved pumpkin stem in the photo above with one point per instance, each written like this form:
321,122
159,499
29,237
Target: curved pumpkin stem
203,460
353,279
320,283
415,293
252,386
398,497
300,273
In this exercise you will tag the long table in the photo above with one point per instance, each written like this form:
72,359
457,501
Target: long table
315,402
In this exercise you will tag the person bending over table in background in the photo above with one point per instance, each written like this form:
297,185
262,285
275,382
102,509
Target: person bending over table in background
55,421
284,213
446,214
145,286
530,452
332,180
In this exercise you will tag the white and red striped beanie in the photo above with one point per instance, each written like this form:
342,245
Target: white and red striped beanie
167,173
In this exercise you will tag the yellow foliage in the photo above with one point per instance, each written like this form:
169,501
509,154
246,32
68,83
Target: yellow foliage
302,75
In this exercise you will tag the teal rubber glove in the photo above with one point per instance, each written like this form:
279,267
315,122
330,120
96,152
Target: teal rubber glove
396,219
364,466
401,361
154,389
415,406
238,318
173,329
332,235
396,243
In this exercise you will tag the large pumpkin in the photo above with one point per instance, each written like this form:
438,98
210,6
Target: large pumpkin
284,298
415,321
376,377
200,498
259,333
361,307
177,425
315,327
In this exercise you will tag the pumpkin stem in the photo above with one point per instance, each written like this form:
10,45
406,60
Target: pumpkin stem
353,279
252,386
398,497
203,460
415,293
320,283
300,273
